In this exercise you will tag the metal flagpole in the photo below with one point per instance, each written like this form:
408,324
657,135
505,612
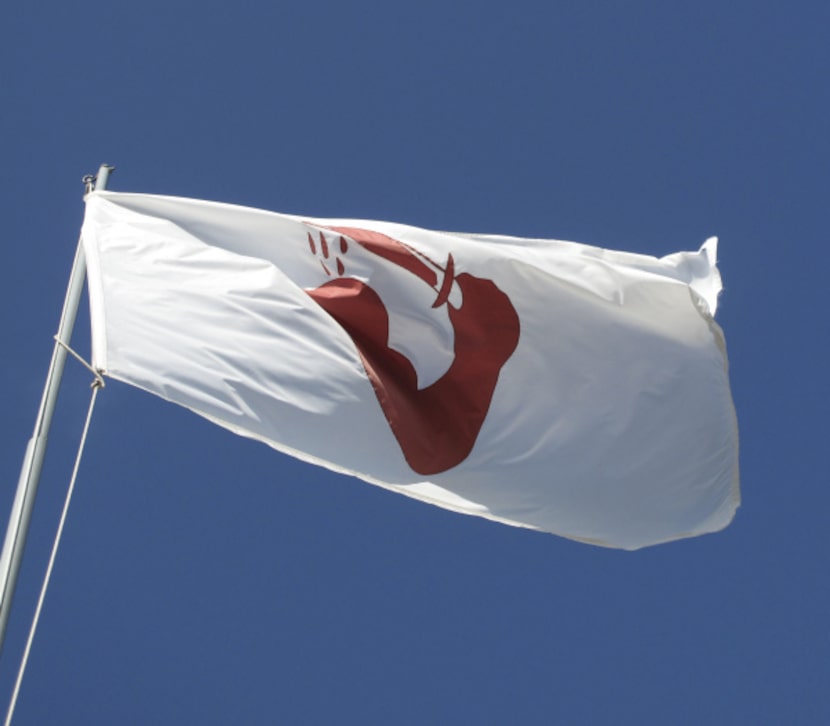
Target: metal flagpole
24,498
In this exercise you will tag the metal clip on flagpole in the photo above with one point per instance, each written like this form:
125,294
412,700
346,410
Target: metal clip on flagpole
27,485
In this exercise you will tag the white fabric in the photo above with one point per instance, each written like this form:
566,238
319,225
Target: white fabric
611,422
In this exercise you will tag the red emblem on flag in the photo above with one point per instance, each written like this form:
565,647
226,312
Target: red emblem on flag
436,425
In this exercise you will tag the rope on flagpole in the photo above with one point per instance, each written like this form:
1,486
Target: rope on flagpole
99,380
97,385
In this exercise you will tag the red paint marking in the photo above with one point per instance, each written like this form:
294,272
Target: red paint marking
391,250
437,426
446,284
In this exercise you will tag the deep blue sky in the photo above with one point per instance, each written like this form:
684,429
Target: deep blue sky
207,579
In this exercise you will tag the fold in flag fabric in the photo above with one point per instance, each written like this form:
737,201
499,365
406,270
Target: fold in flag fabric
540,383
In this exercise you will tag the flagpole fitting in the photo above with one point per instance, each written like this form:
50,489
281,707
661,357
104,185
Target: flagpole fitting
99,180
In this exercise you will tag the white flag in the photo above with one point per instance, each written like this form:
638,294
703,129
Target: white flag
540,383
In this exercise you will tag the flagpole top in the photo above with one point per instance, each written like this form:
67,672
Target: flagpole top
98,181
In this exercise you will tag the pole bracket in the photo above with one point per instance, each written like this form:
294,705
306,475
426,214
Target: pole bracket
90,181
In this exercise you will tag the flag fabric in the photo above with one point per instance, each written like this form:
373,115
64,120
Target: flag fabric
540,383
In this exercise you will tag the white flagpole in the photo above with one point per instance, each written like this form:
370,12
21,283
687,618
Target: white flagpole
27,485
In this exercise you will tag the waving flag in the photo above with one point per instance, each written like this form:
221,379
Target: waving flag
540,383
